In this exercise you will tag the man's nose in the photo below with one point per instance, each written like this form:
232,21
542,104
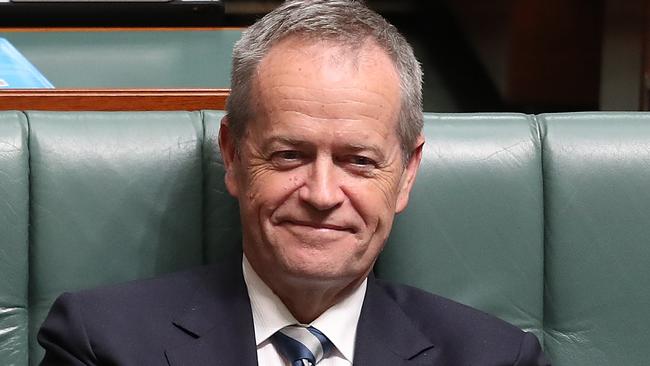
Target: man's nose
322,188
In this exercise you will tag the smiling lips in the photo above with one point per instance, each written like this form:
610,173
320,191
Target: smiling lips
316,228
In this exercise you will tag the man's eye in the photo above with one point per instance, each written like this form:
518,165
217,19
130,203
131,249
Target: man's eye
362,161
286,158
287,155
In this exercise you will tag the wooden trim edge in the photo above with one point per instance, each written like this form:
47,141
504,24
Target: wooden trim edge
112,99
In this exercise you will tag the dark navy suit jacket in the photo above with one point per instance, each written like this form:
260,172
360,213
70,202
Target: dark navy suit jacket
203,317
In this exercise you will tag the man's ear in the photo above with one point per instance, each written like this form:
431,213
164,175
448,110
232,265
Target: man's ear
230,157
409,174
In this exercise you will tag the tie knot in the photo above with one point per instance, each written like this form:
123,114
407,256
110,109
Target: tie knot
302,345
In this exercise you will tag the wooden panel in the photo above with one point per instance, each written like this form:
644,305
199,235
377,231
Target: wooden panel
116,29
113,99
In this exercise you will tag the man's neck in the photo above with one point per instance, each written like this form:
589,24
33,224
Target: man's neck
308,303
307,299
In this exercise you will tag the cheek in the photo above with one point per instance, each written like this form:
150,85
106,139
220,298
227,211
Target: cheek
267,191
375,203
290,182
379,194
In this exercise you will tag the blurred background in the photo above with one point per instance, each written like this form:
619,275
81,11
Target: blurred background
529,56
517,55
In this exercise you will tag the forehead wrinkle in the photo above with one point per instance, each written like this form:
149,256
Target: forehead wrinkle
333,106
345,127
323,119
285,140
340,116
323,92
333,103
322,104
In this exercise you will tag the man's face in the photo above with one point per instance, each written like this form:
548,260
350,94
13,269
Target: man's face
319,174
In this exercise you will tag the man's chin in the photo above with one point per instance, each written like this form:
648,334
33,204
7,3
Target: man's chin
320,273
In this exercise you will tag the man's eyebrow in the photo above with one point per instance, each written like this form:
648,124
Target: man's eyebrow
284,140
350,147
353,147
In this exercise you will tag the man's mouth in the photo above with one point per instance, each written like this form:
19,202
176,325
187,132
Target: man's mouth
319,225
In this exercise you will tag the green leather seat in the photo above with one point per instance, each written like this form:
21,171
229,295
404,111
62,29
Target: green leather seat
540,220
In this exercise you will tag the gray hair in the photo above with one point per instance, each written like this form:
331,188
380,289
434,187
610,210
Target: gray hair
348,22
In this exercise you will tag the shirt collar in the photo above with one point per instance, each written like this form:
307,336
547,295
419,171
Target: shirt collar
338,323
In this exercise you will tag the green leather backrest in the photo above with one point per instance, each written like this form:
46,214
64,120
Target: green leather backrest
14,216
473,230
222,232
597,188
114,196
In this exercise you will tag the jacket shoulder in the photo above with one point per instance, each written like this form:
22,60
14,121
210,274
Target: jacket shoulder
465,335
163,289
418,303
107,324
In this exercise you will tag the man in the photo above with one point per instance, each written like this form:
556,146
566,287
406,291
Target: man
321,146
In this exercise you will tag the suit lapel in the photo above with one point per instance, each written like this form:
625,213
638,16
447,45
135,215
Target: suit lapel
387,336
219,327
218,323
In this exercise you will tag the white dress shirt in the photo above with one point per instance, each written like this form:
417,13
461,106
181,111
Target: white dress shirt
338,323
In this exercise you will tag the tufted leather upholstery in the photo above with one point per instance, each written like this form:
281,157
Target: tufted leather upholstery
540,220
474,226
597,183
14,221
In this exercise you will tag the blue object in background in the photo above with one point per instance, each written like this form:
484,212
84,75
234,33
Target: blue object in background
16,71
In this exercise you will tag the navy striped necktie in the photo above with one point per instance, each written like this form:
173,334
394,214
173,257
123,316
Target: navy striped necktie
302,346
